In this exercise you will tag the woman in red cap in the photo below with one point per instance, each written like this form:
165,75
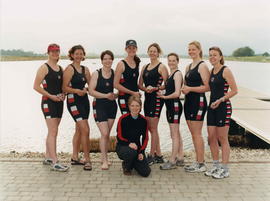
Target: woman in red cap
50,76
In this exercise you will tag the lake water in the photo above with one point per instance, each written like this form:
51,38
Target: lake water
22,126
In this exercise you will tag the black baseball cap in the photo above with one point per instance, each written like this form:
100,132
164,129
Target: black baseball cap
131,43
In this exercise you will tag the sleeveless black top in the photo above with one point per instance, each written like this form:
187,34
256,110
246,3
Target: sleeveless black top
218,85
152,77
104,85
193,77
170,84
52,82
78,80
129,78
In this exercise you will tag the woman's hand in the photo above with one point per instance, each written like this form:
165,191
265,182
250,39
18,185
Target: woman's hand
160,94
140,157
215,104
185,89
55,98
133,146
62,96
81,92
110,96
137,94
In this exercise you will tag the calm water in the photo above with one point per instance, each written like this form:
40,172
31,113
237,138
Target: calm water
22,126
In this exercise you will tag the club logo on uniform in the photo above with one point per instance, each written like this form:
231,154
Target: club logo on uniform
187,75
59,77
134,75
212,79
107,84
146,74
83,79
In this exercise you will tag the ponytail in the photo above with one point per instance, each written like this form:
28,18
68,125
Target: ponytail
137,60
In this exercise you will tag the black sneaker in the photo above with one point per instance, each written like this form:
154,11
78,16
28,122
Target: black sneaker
159,159
150,159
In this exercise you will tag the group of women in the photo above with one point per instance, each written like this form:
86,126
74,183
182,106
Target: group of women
159,86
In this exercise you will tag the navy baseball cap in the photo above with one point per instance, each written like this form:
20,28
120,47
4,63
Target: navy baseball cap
131,43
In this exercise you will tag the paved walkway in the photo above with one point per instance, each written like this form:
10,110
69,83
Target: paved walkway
33,181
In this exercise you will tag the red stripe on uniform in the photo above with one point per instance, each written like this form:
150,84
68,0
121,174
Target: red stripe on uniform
75,112
119,127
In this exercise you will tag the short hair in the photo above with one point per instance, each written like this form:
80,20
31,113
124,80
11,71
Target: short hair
174,54
136,99
108,52
73,49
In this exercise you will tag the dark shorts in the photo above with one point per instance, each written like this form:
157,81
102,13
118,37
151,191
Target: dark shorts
104,109
174,110
221,116
51,109
152,105
78,107
195,106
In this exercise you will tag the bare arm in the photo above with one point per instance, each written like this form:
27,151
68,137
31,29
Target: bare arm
93,85
178,82
164,73
205,75
227,74
141,86
117,76
68,73
41,73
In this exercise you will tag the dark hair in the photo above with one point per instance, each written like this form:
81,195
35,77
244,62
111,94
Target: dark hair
156,46
137,60
198,46
173,54
73,49
220,53
108,52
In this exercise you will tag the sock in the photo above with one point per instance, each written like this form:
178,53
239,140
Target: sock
216,163
225,167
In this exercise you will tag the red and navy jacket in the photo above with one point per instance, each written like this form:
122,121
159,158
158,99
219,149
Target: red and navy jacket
130,130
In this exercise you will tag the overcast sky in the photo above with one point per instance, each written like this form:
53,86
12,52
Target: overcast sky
106,24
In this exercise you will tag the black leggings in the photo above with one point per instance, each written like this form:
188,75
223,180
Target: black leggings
130,158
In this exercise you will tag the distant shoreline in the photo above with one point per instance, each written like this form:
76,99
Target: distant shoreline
260,59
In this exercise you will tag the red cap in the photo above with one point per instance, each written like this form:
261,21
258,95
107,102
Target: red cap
53,47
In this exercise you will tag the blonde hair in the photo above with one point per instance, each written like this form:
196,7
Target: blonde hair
136,99
197,44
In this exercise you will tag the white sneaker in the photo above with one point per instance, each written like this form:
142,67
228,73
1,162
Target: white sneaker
196,168
221,174
190,166
58,167
210,172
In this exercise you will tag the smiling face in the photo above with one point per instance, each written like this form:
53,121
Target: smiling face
214,57
78,55
107,61
173,62
193,51
134,108
153,52
54,54
131,50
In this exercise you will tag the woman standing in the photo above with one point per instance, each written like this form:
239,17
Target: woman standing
174,110
50,75
195,105
131,128
219,112
104,104
75,78
126,76
152,76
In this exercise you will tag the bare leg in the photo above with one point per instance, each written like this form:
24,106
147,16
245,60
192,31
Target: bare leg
84,131
175,136
195,128
225,146
213,142
76,142
153,128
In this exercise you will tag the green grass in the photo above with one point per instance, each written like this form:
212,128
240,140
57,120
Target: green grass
249,59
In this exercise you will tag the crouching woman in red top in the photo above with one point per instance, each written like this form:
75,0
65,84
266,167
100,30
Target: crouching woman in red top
131,128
